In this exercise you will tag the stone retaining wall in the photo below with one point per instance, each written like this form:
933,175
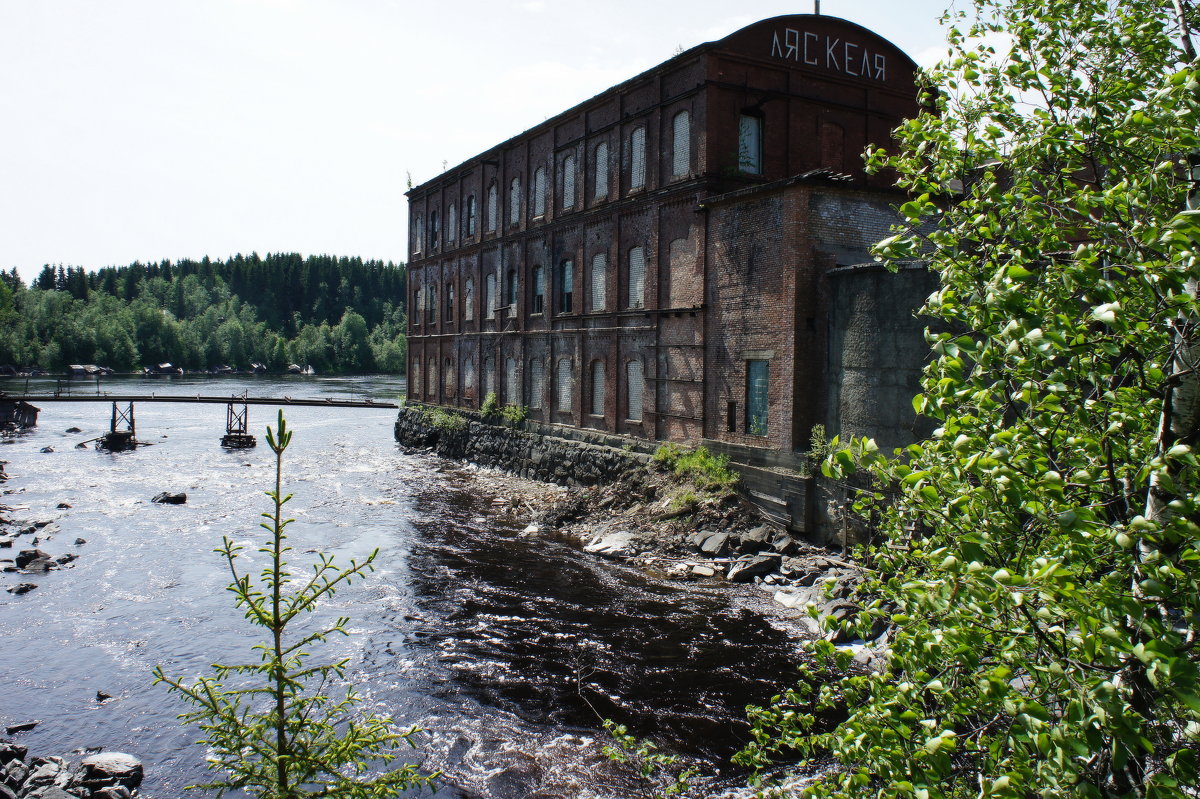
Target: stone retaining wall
520,450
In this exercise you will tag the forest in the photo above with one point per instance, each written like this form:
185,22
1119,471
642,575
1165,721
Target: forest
336,314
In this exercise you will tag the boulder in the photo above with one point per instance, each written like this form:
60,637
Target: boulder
49,792
698,537
111,768
112,792
27,556
39,565
6,542
757,540
24,726
716,544
170,499
745,569
612,545
47,449
67,558
63,505
73,430
784,544
21,588
10,751
80,541
700,570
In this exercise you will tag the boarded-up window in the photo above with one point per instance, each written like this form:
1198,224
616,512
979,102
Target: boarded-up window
637,278
601,172
568,199
514,201
418,233
489,295
434,230
599,280
637,158
432,366
449,302
683,275
539,290
493,207
470,215
511,297
563,385
539,191
452,223
469,301
681,150
489,376
537,383
634,384
414,379
448,371
469,377
512,388
750,144
756,397
597,388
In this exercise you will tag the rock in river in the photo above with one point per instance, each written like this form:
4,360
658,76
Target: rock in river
112,768
170,499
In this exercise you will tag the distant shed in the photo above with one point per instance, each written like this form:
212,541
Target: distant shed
17,414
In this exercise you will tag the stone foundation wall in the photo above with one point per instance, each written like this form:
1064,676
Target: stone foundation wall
521,450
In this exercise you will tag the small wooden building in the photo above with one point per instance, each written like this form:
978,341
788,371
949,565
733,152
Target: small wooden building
17,414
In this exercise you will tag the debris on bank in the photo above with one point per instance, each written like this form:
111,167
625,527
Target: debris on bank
100,775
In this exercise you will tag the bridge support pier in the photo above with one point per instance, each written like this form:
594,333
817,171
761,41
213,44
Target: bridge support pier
236,424
121,430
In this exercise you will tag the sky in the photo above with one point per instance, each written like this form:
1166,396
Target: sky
150,129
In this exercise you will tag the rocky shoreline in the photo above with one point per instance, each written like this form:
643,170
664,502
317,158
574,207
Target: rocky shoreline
635,520
98,775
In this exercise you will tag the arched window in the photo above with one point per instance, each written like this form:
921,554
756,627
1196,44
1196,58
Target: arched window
539,191
599,280
514,201
637,158
568,198
469,377
493,207
430,304
564,385
418,233
634,385
681,150
537,383
469,301
512,387
434,230
489,376
511,297
637,278
601,171
469,214
489,295
448,371
597,388
566,284
449,301
414,379
452,223
539,291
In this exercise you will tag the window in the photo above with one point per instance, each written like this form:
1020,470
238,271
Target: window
452,223
634,384
568,193
750,144
537,383
431,388
469,300
489,376
448,371
449,302
493,207
539,291
418,233
468,379
599,278
469,213
681,150
511,299
756,397
539,191
597,388
414,385
489,295
637,158
601,165
637,279
563,385
415,308
683,277
512,388
434,230
514,201
430,305
567,286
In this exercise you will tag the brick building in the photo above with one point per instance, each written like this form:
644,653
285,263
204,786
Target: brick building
682,256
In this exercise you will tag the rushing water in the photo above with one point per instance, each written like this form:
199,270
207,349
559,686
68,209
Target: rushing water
505,649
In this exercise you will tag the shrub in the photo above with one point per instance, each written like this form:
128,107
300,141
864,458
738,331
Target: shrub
514,414
709,472
445,420
491,405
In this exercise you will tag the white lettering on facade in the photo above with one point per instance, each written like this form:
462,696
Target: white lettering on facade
840,56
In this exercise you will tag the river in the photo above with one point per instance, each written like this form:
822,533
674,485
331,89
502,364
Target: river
498,646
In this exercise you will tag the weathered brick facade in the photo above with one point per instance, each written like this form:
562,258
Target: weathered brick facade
661,260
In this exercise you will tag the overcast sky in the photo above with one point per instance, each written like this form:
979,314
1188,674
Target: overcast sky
150,129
